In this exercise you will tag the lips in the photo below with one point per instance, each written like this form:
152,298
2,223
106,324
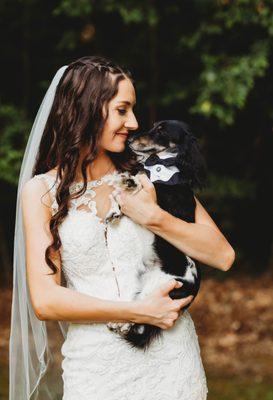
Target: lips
125,134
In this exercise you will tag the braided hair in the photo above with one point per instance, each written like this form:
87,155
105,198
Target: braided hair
76,120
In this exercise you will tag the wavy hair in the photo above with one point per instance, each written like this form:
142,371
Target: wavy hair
76,120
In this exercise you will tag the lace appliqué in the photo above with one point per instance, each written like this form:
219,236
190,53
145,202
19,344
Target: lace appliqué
86,202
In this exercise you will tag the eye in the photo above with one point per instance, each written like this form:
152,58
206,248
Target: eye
122,111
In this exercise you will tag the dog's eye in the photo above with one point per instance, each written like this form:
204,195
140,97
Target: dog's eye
157,126
160,131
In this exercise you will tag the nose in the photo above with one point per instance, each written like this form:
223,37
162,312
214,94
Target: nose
131,123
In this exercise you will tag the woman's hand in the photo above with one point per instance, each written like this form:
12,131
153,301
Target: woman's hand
141,206
159,309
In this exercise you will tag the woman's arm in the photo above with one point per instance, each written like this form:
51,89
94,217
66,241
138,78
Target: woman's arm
50,300
201,240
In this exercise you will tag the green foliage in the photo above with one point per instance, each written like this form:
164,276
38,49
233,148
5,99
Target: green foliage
174,93
220,193
13,137
229,69
224,188
226,81
74,8
131,11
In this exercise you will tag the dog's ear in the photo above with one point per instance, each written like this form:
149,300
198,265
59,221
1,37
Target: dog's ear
191,163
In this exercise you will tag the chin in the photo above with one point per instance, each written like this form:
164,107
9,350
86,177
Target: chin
118,148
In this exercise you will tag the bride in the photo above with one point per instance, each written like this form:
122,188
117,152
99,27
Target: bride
71,267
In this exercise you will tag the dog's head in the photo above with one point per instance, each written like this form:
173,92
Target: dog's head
164,135
172,136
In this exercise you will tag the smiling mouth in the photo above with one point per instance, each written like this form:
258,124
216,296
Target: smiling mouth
123,134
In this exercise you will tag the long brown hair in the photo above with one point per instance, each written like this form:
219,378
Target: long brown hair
75,121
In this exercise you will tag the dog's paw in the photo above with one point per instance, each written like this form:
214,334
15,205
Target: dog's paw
119,327
113,326
125,328
130,183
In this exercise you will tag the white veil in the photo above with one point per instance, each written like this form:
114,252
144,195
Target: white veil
30,348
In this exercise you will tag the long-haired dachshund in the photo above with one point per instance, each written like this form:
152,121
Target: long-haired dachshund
172,160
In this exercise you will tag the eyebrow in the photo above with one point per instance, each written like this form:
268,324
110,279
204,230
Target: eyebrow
128,103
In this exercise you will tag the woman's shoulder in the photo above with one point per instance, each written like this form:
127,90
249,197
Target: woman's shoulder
49,175
40,186
39,182
45,180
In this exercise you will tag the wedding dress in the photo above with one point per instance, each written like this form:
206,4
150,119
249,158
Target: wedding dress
105,261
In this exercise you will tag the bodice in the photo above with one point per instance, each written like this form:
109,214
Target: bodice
98,258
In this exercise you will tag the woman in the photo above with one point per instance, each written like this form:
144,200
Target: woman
82,151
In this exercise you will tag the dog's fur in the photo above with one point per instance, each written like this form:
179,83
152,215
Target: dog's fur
173,137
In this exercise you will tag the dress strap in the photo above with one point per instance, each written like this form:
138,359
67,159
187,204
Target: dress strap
51,185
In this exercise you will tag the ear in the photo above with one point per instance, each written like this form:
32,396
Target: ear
191,162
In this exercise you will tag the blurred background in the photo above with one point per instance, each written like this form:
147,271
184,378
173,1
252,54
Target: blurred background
209,63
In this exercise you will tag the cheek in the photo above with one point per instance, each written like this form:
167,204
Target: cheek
112,125
109,140
107,132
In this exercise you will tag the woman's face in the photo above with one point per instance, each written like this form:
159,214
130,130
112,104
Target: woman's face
121,118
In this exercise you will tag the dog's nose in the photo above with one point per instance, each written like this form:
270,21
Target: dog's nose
131,138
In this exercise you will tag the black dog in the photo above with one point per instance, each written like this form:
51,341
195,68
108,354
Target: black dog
173,162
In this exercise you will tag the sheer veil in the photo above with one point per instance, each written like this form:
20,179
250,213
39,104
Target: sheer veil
30,350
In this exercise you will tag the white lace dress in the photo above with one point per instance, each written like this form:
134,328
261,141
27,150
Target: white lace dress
98,364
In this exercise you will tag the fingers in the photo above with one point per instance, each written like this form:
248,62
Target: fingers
168,286
184,302
137,190
145,181
119,196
